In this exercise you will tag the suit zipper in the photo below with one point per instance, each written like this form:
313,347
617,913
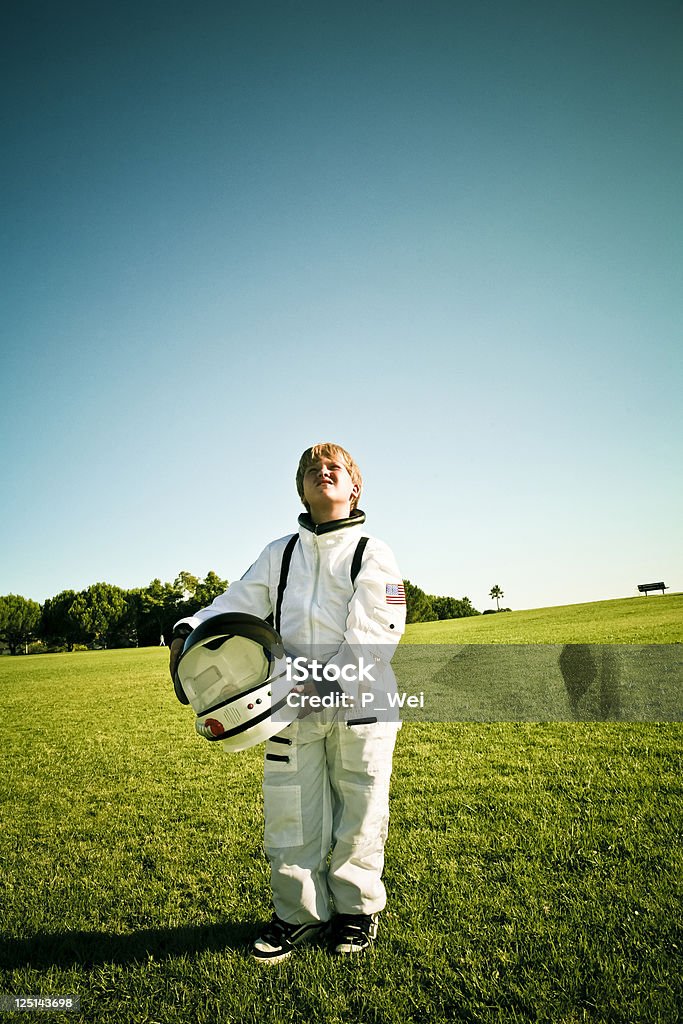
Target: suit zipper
314,594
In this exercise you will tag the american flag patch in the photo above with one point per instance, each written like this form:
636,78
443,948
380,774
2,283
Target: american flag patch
396,593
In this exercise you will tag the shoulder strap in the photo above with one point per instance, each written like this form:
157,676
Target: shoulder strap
358,557
284,572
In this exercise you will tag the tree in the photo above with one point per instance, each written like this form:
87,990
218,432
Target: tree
19,619
160,604
100,613
56,624
186,584
196,593
497,593
211,587
452,607
418,605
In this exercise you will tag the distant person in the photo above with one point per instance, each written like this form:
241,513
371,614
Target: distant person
162,642
326,779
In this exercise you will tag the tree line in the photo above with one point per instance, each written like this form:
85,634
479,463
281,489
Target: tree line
104,615
423,607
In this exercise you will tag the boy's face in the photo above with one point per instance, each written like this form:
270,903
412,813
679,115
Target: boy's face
328,490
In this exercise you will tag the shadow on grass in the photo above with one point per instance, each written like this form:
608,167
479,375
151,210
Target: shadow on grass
87,949
591,674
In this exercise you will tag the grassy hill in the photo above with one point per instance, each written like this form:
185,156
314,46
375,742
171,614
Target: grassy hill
630,620
604,661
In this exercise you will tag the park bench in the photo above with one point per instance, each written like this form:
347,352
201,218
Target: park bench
645,587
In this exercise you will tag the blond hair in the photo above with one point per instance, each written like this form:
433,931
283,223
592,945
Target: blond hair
327,450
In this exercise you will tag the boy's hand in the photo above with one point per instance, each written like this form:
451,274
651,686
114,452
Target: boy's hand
175,652
306,690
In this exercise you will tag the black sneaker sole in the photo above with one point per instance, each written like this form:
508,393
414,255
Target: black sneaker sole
311,933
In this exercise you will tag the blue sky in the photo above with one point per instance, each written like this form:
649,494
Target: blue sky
445,235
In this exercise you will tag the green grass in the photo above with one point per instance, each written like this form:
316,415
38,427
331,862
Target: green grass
630,620
534,870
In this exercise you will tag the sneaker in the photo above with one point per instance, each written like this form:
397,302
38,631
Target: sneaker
278,939
353,933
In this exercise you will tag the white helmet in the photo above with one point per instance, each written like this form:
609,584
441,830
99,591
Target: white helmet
227,669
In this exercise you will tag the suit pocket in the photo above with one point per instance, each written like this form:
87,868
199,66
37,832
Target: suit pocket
283,817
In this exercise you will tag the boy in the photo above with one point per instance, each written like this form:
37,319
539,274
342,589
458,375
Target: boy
326,778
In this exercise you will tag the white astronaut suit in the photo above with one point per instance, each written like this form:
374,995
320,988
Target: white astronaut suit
326,777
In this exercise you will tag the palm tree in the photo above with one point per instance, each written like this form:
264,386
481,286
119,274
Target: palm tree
497,593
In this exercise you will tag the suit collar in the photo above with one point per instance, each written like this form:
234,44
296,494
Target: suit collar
357,518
